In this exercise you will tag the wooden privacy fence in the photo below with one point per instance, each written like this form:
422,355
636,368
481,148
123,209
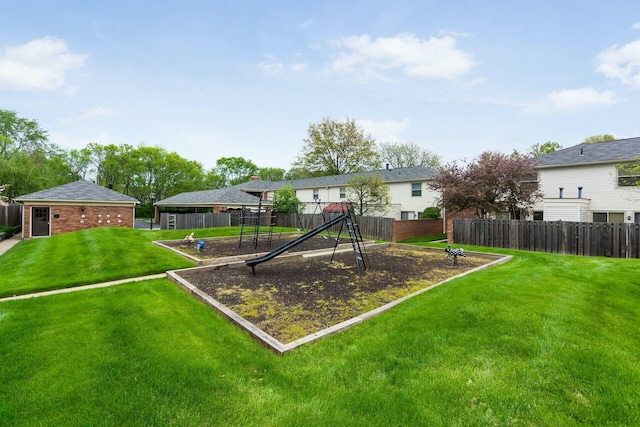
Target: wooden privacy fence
574,238
11,215
186,221
370,227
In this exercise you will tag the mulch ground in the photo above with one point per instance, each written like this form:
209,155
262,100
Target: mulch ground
295,297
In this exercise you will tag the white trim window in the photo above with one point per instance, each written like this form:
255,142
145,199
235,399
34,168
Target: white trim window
629,175
617,217
416,189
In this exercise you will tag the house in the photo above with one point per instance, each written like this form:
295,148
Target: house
409,192
590,183
74,206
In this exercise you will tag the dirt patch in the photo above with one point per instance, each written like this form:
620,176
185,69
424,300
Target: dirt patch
292,298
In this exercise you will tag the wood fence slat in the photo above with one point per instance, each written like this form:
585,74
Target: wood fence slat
576,238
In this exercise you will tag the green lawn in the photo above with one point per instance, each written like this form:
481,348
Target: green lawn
91,256
542,340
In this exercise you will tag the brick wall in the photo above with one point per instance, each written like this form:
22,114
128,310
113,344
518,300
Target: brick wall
405,229
67,218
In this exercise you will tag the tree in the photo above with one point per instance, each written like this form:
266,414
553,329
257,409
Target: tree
431,212
369,194
271,174
296,173
491,183
18,134
537,150
28,162
286,201
334,148
594,139
234,170
407,155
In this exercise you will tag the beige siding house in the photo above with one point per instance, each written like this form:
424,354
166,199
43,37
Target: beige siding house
410,194
588,182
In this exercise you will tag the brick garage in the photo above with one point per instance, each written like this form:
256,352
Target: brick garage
75,206
405,229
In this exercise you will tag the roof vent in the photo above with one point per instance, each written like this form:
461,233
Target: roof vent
582,151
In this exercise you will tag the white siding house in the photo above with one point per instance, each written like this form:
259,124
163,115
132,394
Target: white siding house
408,189
585,183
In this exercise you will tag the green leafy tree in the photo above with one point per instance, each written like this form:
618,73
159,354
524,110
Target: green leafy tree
234,170
296,173
407,155
594,139
334,148
537,150
271,174
369,194
28,162
286,201
432,212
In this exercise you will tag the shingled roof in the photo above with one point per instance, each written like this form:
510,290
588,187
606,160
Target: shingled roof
417,173
620,150
78,191
222,196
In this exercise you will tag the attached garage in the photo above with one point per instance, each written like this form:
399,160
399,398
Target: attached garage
75,206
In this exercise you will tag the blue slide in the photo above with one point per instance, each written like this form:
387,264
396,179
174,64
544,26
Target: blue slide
274,253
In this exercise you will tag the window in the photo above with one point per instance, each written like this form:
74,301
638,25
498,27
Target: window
315,194
637,218
617,217
416,189
629,175
599,217
343,193
407,215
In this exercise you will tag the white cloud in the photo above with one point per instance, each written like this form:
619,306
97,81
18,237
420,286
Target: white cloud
385,130
96,113
41,64
622,63
306,24
415,57
572,100
271,66
454,33
636,26
299,67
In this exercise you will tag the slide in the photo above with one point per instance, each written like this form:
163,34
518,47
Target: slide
274,253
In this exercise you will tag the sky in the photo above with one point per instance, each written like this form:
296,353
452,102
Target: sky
213,79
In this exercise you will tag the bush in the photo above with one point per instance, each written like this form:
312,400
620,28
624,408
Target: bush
431,212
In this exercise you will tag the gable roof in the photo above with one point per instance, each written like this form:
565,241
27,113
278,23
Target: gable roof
417,173
583,154
221,196
78,191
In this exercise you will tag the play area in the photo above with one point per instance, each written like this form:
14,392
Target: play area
313,285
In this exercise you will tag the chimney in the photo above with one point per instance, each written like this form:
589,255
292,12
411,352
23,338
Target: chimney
387,166
561,191
254,177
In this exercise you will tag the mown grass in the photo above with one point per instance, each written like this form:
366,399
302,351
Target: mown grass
91,256
542,340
